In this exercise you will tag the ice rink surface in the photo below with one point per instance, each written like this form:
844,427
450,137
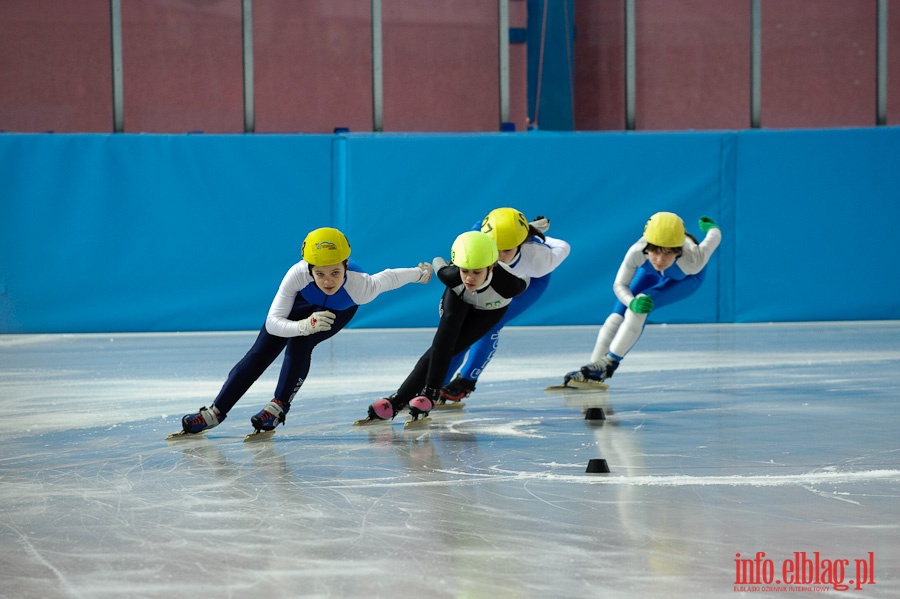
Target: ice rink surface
720,439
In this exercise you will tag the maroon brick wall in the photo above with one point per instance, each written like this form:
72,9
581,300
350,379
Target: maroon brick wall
183,65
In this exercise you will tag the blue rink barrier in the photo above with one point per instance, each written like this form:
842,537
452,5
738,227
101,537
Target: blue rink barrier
124,232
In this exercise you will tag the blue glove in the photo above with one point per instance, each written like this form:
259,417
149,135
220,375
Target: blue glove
642,304
706,224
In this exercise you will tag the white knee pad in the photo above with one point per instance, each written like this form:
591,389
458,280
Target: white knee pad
628,333
605,336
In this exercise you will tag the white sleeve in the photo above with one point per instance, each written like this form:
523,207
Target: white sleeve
277,322
634,257
694,257
363,288
542,258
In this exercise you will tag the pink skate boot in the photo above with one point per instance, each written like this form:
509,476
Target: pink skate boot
381,410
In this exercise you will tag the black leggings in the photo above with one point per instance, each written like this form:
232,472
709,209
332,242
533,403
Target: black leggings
294,367
461,325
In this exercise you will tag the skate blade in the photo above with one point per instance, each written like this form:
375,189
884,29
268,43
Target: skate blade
578,386
259,435
592,385
183,434
450,405
369,421
423,422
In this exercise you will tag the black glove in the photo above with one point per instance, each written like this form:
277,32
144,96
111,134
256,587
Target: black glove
541,223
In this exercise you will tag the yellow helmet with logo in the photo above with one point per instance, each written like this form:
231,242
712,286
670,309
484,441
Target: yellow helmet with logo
473,250
665,229
507,227
325,246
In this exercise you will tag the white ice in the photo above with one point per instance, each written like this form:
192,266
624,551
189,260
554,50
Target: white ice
720,439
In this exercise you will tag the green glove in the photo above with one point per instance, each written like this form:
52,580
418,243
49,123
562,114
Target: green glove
706,223
642,304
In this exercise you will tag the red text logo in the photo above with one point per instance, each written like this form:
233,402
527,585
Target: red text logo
802,572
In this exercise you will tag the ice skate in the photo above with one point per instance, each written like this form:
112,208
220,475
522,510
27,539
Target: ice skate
601,369
454,392
576,382
590,376
259,435
420,406
198,422
269,417
380,411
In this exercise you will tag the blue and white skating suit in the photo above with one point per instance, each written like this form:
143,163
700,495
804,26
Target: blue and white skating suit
298,289
637,276
297,298
535,261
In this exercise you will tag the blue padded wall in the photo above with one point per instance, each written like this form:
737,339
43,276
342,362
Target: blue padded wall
598,190
194,232
814,212
152,233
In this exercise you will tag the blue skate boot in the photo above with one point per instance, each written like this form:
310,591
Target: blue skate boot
202,420
270,416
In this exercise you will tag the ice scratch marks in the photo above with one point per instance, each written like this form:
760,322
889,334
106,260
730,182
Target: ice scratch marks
33,552
497,427
827,495
777,480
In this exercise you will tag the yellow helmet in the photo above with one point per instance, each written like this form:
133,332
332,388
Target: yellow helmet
473,250
325,246
665,229
507,227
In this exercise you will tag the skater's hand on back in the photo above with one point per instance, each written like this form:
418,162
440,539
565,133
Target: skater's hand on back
706,223
317,322
425,270
541,223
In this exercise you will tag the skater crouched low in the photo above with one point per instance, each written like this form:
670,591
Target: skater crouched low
479,290
666,265
530,253
317,298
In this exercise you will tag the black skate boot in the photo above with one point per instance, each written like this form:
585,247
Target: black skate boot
600,370
456,390
594,373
